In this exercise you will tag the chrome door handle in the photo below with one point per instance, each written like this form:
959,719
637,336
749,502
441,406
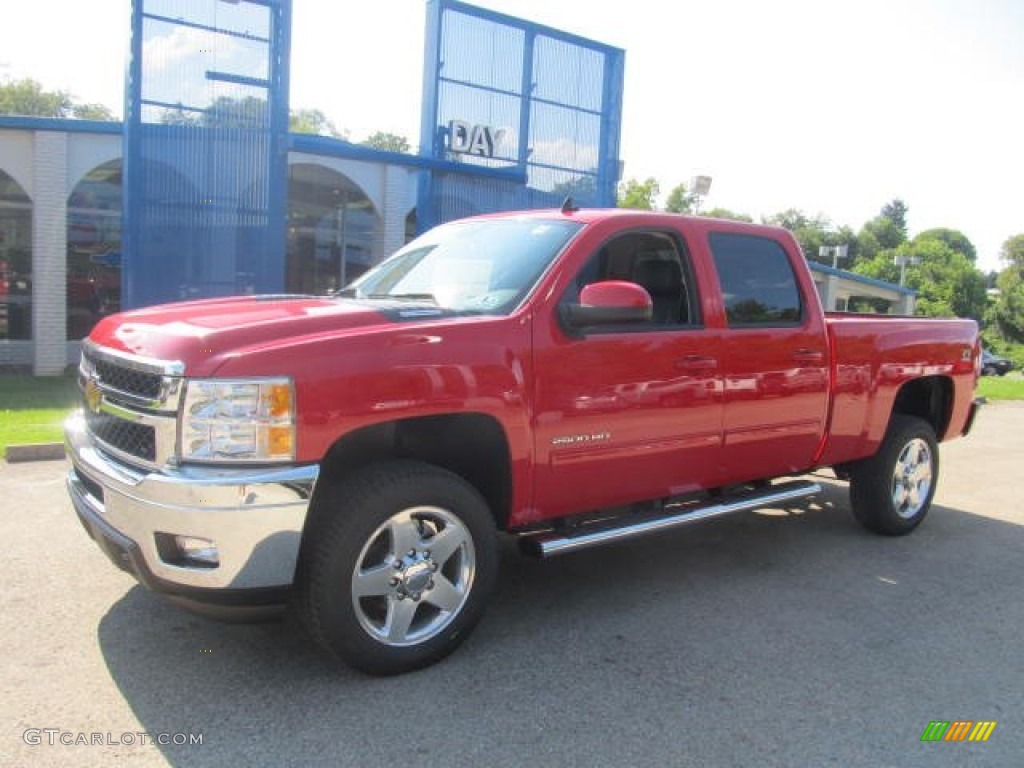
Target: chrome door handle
696,363
808,356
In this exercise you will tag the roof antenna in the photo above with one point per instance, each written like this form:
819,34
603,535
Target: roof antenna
568,206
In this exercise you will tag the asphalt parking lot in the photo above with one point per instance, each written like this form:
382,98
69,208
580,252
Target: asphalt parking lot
783,638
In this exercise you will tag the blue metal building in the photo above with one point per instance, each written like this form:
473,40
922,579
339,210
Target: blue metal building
202,191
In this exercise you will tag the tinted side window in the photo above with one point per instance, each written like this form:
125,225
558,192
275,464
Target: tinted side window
758,284
655,260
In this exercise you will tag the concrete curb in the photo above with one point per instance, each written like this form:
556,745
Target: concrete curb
35,452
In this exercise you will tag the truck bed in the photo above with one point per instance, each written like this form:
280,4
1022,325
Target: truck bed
873,356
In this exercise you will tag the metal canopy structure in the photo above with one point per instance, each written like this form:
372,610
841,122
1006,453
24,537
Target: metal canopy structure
516,115
205,149
535,113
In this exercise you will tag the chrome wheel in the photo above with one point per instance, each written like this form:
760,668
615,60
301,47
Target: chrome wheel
912,478
413,576
891,491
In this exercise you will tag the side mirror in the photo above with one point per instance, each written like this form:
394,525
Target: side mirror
609,303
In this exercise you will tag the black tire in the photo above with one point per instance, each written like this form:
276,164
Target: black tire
988,371
397,568
892,491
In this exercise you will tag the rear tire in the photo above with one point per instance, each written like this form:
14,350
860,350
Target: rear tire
398,567
892,491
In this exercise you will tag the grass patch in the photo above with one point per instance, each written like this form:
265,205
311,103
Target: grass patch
33,408
1008,387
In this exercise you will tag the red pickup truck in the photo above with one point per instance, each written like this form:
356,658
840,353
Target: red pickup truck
570,377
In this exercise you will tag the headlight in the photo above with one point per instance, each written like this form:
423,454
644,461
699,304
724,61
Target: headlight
238,420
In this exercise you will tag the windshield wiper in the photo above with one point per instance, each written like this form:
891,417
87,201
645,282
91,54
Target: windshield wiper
404,296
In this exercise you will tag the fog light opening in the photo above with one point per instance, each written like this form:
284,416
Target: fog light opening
187,551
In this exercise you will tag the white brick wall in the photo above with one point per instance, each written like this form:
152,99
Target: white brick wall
49,252
397,204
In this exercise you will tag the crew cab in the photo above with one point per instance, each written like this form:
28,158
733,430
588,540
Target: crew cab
572,378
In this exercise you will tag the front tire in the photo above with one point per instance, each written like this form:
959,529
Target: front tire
892,491
398,568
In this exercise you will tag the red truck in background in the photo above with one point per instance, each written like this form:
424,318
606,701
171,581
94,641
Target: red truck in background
570,377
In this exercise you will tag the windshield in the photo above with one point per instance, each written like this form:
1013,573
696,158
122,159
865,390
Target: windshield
485,266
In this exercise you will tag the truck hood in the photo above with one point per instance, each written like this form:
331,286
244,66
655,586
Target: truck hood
202,334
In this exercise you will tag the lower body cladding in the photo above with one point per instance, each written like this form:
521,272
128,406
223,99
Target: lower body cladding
223,542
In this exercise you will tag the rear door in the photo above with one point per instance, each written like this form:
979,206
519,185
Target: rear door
774,357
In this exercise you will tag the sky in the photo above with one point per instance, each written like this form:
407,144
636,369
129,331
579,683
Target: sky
831,107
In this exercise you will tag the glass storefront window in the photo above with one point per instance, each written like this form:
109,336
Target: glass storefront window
15,260
94,249
331,227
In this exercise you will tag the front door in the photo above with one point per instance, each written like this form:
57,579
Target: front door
629,413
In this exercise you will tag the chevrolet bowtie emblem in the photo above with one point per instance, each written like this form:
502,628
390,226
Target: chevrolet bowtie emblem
93,396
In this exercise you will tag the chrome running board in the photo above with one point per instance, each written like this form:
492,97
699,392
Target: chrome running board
550,543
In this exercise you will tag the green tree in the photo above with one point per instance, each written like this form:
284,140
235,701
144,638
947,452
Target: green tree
1012,253
680,201
1008,310
313,121
178,116
28,97
636,194
896,212
886,231
92,112
582,189
390,142
725,213
226,111
793,219
954,238
946,281
813,232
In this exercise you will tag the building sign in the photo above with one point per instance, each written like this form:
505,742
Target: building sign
479,140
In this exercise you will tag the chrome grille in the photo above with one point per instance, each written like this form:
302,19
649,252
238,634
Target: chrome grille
138,383
137,440
131,404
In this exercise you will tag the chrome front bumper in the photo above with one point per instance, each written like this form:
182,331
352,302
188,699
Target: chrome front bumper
253,515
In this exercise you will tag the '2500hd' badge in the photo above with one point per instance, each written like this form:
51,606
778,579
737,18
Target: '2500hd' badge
596,437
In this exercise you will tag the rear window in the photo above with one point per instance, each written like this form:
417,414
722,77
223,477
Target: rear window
758,284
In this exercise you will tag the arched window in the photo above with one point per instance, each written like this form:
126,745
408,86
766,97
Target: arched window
94,248
15,260
331,227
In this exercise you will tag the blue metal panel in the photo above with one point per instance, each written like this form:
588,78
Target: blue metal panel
504,93
426,213
611,127
205,149
59,124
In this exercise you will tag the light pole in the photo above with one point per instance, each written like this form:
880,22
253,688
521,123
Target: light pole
901,260
837,252
700,185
